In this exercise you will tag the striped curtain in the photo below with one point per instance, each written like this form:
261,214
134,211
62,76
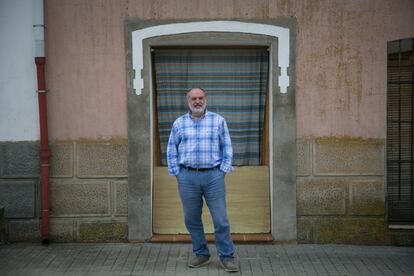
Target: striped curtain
235,81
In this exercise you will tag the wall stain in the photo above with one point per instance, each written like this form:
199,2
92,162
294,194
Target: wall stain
349,79
309,11
284,6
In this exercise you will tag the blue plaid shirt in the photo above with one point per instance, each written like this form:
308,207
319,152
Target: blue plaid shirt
202,144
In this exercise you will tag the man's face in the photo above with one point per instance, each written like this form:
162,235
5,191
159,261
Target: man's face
196,101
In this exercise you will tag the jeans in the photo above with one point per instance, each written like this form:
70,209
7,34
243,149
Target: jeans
192,186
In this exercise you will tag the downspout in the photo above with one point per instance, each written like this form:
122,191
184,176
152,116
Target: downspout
40,61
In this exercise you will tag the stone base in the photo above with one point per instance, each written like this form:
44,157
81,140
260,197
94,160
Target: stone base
103,232
340,230
336,203
24,230
401,237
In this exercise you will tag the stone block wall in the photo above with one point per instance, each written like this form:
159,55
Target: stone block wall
89,191
341,192
19,189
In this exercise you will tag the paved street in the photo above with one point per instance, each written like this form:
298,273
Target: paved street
170,259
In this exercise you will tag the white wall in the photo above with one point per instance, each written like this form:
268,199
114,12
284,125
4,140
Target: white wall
19,116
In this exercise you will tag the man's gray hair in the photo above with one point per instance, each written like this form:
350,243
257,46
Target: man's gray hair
204,91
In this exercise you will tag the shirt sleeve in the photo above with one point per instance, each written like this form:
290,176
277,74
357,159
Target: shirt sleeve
227,150
172,151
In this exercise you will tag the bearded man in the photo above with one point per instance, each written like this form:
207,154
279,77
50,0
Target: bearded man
199,154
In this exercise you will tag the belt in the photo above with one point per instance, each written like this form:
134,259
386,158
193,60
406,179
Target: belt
200,169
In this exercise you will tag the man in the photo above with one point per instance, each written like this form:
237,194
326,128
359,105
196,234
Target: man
199,153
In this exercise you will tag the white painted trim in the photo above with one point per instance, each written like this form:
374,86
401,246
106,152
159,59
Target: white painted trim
211,26
401,226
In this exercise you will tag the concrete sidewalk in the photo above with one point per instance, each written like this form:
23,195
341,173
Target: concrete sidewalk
171,259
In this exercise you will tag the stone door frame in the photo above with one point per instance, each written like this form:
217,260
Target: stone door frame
279,36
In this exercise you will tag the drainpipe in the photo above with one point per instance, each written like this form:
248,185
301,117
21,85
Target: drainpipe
40,61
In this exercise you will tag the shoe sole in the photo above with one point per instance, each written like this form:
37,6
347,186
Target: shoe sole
229,270
200,265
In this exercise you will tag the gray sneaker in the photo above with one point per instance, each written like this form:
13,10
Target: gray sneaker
198,261
230,265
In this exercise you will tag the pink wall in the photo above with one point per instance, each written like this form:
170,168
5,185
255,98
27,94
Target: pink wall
340,60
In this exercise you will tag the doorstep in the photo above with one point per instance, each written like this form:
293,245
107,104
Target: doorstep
237,238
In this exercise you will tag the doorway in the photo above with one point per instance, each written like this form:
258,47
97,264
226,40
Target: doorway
236,79
279,37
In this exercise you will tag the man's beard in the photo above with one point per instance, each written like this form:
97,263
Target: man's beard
198,109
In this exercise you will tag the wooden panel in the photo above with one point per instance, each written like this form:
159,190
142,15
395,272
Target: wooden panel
248,202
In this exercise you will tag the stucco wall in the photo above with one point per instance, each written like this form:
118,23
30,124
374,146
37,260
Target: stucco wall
19,120
340,60
19,115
